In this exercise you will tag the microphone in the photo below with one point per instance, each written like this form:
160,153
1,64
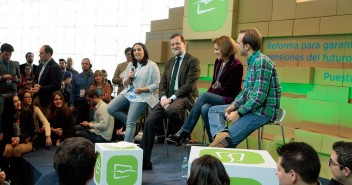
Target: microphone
132,69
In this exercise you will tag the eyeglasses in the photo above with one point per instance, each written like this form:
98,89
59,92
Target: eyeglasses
27,97
331,162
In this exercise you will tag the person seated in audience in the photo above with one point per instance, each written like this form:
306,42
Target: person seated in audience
62,125
103,88
102,126
341,163
226,84
120,71
208,170
41,124
18,128
26,78
74,161
298,163
141,80
2,178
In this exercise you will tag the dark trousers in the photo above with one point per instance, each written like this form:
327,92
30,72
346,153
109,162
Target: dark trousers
175,113
82,111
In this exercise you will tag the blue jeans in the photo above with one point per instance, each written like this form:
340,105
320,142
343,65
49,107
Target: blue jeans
202,105
239,129
116,109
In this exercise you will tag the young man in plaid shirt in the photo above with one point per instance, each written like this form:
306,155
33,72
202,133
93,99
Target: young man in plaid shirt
257,104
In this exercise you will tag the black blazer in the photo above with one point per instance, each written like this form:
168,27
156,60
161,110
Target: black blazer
50,81
187,78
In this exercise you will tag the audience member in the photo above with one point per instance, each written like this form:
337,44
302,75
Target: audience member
101,128
41,124
18,128
69,67
103,88
141,82
226,84
341,163
298,163
62,125
120,71
74,161
80,85
259,101
26,78
208,170
2,178
29,58
106,77
65,80
177,91
9,77
47,79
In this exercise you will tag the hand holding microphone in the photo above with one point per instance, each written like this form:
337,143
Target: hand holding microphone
131,75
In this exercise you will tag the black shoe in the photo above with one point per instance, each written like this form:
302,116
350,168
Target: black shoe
147,165
179,137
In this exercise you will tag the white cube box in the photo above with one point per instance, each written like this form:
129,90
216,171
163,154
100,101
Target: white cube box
118,165
252,167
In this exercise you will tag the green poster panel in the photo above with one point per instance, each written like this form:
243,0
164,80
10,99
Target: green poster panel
206,15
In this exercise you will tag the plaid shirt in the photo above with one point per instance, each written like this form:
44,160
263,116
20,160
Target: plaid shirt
261,92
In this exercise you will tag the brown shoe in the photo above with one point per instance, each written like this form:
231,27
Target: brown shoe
222,140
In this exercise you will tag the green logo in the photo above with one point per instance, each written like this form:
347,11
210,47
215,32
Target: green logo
207,15
233,156
237,180
122,169
97,169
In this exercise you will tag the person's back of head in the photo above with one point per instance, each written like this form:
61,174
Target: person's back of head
74,161
298,163
341,162
208,170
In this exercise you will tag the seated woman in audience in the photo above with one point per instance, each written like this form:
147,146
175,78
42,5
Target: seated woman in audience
41,124
141,83
18,127
226,84
101,86
208,170
26,78
62,125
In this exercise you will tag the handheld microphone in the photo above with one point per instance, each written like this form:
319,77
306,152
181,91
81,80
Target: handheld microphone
132,69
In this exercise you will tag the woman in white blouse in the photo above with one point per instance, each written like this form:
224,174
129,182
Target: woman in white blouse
141,81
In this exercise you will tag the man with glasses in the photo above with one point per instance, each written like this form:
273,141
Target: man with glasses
298,163
340,163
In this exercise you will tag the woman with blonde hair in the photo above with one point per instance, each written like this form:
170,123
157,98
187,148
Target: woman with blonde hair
101,86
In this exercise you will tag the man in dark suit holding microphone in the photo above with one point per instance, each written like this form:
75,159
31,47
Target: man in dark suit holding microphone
177,91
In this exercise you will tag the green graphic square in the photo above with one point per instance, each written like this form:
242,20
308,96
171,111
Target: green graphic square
122,169
207,15
233,156
97,169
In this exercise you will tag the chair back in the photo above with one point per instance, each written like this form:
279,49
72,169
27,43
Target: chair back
280,116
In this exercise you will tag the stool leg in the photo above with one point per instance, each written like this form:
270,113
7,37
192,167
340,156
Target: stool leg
203,138
283,134
259,138
166,126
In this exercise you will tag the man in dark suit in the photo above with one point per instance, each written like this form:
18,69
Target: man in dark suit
29,58
47,78
177,91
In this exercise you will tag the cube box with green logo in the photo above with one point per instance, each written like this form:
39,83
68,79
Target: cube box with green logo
118,165
254,167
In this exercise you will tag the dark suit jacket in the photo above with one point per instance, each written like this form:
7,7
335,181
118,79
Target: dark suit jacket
50,81
187,78
34,70
230,79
